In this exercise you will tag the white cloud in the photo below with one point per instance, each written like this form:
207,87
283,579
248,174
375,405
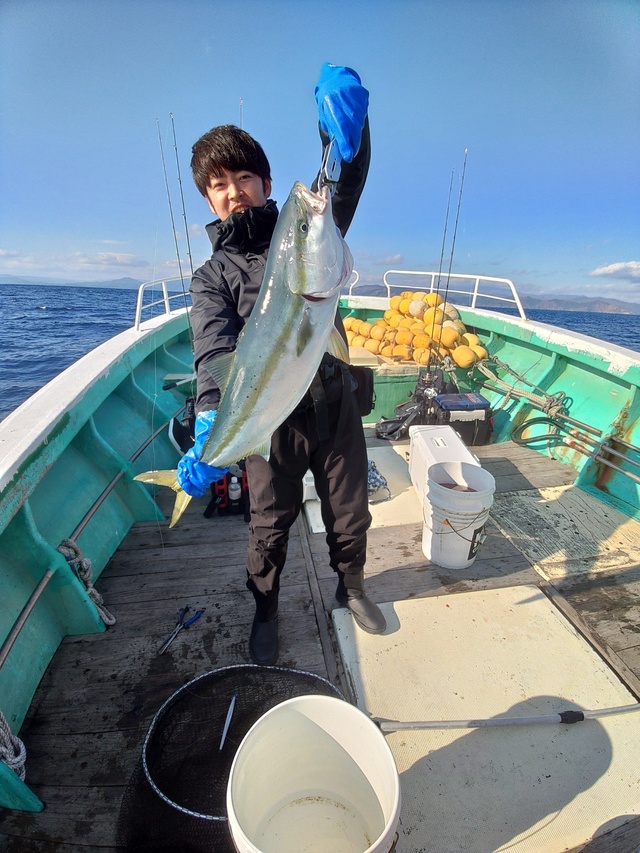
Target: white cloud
629,271
79,266
390,261
107,259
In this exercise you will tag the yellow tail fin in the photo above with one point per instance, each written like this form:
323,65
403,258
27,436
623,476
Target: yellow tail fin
168,478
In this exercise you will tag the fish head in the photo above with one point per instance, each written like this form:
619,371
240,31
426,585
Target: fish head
321,259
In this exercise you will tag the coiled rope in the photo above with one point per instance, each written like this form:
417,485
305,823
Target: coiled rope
12,750
551,404
82,567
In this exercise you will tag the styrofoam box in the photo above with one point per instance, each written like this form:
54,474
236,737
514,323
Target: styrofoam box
429,445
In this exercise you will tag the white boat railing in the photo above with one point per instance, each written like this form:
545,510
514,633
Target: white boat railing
473,287
165,299
478,287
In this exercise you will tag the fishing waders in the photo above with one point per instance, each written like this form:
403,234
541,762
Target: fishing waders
350,593
263,640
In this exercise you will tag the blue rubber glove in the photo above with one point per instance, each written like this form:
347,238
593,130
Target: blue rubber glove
195,477
342,107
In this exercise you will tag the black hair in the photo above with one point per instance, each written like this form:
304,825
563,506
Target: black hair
227,147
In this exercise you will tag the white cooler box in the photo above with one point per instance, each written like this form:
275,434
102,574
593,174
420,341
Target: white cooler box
432,444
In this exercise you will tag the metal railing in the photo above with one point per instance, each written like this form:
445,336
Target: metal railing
165,300
478,287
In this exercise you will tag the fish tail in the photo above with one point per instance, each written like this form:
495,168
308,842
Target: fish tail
182,502
168,478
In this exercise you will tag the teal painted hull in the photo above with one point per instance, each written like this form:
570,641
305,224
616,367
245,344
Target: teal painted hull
49,486
76,438
599,384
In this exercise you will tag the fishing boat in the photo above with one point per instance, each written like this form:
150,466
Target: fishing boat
544,619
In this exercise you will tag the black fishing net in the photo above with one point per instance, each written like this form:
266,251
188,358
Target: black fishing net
176,798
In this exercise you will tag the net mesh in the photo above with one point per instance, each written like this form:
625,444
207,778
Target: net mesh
175,799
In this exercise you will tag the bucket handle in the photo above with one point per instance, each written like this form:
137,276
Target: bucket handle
453,530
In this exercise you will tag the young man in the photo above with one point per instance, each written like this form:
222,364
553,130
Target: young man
324,433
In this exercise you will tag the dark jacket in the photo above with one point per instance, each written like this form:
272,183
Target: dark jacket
225,288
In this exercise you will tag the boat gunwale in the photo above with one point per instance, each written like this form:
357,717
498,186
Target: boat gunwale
48,412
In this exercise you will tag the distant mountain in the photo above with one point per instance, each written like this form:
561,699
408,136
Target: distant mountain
117,283
555,302
570,302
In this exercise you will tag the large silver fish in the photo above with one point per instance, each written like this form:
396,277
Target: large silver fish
281,347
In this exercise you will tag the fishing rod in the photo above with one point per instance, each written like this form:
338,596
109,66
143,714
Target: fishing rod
173,221
184,212
444,237
455,228
444,234
430,367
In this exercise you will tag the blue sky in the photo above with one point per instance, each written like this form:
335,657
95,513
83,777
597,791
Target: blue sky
544,94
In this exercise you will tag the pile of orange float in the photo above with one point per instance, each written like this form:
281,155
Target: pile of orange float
419,327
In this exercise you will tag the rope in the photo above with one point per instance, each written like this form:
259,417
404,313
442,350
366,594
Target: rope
82,567
550,404
448,366
12,750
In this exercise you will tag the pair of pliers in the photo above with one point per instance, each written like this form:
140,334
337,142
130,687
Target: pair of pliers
180,624
331,167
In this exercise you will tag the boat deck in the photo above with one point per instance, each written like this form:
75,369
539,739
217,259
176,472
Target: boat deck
86,725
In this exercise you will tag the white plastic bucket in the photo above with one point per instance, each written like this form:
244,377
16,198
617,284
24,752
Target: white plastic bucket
313,775
458,500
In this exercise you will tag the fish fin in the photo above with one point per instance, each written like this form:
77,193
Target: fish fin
220,369
160,478
167,478
264,450
337,346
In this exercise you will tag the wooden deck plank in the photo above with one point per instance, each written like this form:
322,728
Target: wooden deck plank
177,581
86,814
624,839
95,702
127,675
524,472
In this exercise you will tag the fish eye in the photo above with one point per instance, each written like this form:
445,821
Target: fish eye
304,227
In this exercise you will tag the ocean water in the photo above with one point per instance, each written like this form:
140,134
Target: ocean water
44,329
620,329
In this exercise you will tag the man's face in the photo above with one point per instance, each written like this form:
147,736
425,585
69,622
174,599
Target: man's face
234,192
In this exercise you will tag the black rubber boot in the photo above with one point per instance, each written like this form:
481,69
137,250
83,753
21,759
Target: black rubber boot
263,641
341,591
366,613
